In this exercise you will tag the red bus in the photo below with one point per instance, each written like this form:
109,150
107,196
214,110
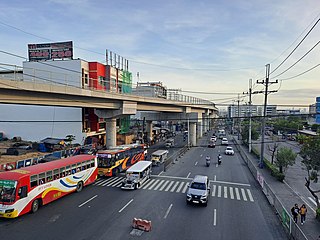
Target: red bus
25,190
117,159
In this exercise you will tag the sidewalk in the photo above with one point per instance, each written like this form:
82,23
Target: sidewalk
286,195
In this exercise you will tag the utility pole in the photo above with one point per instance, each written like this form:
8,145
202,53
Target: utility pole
250,112
238,121
266,83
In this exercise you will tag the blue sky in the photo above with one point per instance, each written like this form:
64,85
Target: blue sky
210,46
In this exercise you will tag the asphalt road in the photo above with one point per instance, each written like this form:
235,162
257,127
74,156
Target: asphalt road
236,208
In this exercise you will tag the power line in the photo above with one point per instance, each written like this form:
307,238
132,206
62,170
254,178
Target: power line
310,69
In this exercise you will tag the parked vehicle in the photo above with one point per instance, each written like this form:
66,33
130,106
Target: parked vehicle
136,175
170,143
198,190
229,151
159,157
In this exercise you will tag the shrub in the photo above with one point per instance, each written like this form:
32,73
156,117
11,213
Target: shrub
274,171
318,213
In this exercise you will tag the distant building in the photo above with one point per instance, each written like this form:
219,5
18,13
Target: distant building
150,89
318,110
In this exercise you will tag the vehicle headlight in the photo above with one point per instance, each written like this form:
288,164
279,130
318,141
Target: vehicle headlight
204,196
189,195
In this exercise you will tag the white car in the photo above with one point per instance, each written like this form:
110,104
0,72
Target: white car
213,139
229,151
224,141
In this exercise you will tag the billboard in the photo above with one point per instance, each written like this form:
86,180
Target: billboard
47,51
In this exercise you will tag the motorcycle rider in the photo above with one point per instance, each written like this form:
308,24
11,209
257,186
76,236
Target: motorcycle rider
208,160
219,158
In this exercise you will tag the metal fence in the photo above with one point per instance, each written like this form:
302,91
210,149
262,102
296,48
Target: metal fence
291,228
172,159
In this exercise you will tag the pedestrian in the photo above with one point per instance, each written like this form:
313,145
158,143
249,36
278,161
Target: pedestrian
295,212
303,212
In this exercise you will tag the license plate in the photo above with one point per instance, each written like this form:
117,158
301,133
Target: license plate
195,201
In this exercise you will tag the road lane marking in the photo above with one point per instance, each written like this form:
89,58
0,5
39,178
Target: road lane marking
116,182
215,217
160,173
185,187
215,178
188,174
313,201
111,182
166,182
200,155
231,193
243,194
148,184
169,186
88,201
250,195
160,183
152,186
219,191
232,183
214,190
237,194
225,192
168,211
125,205
180,187
196,163
174,187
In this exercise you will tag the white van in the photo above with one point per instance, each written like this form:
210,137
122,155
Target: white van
159,157
136,175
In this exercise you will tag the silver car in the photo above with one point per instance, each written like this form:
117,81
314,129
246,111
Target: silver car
199,190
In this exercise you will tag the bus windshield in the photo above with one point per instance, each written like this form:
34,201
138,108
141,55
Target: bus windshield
106,160
7,190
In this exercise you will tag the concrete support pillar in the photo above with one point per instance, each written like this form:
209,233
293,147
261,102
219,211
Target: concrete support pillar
111,132
193,134
149,130
205,123
199,129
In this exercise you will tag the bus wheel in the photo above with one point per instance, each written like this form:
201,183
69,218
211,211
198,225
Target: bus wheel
79,186
35,206
116,172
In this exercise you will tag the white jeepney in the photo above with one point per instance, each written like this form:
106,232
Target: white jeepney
136,175
159,157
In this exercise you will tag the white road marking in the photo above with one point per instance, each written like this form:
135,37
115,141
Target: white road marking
237,194
219,191
200,155
174,187
196,163
180,187
231,193
88,201
215,217
167,189
148,184
125,206
160,173
111,182
215,178
154,184
232,183
163,185
225,192
243,194
116,182
168,210
188,174
104,181
160,183
214,190
313,201
182,178
250,195
185,188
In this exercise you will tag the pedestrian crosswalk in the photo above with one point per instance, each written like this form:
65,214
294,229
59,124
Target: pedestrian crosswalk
237,193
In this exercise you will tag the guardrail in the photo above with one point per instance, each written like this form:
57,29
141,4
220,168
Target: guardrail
291,228
172,159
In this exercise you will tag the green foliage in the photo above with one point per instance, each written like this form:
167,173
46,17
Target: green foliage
285,157
274,171
245,131
310,152
318,213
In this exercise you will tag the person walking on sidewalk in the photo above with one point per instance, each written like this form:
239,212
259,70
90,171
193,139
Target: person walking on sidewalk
303,212
295,212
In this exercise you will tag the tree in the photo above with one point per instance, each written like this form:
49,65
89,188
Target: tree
310,152
70,138
245,131
273,150
285,157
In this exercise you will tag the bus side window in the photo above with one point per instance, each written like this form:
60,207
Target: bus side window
83,166
78,167
92,163
88,164
42,178
34,181
73,168
55,174
62,172
68,170
49,176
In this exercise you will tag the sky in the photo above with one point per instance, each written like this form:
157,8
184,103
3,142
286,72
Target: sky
207,48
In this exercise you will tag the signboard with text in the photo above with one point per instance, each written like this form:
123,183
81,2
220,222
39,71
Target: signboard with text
48,51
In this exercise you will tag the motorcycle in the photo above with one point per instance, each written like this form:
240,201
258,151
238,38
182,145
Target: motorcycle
219,160
208,161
